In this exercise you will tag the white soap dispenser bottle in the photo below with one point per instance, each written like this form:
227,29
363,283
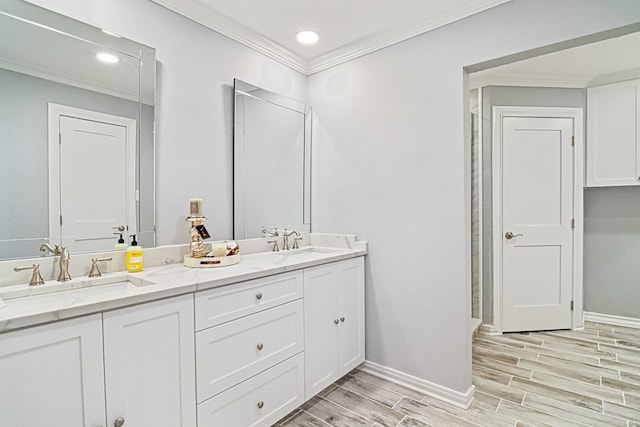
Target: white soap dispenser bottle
121,243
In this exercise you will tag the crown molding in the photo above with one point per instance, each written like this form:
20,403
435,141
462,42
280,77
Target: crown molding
390,37
228,27
206,16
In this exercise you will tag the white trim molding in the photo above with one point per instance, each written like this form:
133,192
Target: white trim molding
577,114
206,15
610,319
456,398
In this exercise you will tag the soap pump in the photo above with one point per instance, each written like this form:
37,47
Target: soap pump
134,256
121,243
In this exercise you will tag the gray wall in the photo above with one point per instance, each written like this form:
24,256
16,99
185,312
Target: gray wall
391,164
612,251
493,96
24,161
391,152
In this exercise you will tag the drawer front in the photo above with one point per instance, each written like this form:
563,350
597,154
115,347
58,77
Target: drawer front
230,353
259,401
220,305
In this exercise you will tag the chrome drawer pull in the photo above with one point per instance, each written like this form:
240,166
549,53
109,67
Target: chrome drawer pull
260,404
259,296
260,346
119,422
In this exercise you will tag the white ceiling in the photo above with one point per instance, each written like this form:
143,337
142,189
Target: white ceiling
592,64
347,28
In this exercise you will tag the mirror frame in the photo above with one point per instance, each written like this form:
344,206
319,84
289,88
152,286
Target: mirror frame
242,88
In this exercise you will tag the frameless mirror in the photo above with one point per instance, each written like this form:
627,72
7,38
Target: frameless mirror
271,163
77,134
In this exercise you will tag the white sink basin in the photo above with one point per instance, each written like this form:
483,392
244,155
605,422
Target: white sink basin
109,284
306,250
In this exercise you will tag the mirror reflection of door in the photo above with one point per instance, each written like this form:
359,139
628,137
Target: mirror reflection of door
96,169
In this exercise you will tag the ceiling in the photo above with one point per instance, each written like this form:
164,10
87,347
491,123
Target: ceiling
347,28
606,61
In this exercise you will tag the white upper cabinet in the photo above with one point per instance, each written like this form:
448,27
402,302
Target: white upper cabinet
613,143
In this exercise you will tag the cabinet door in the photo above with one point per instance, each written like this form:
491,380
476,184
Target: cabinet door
52,375
612,154
321,326
351,314
150,365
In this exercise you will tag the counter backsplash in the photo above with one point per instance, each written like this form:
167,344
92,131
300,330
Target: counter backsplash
153,257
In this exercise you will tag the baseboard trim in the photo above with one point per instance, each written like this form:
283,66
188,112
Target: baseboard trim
489,330
610,319
461,400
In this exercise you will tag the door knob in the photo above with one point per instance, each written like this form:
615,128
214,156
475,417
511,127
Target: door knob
509,235
119,422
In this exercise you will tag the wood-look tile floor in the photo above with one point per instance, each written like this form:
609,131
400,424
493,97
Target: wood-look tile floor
558,378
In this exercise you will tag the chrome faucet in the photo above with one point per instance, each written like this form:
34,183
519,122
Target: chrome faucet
64,275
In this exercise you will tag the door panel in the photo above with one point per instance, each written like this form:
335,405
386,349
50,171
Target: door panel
537,200
93,199
52,375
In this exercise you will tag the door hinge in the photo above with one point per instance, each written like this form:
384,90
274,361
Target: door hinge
571,305
60,138
573,224
60,219
573,141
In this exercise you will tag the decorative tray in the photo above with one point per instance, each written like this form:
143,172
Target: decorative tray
211,261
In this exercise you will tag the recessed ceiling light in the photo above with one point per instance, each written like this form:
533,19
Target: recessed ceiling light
307,37
107,57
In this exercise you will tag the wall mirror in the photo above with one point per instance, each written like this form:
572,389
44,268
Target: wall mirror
271,163
77,134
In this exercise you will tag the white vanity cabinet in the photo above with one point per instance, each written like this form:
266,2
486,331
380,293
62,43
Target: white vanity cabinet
613,142
249,351
334,322
52,375
149,366
55,374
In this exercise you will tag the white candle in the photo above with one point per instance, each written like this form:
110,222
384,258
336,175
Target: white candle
195,207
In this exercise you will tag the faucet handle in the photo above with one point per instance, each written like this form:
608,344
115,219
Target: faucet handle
295,242
36,277
275,245
95,271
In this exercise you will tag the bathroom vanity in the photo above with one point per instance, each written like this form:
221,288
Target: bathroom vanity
172,346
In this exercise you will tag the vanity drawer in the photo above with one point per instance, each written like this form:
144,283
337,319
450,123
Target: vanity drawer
221,305
230,353
259,401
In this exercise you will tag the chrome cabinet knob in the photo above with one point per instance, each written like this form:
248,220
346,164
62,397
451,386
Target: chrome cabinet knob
260,404
509,235
342,319
336,321
119,422
260,346
259,296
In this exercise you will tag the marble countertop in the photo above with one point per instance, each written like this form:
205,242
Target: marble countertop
120,289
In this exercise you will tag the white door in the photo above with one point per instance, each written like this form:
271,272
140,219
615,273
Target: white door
149,364
537,210
93,183
53,375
